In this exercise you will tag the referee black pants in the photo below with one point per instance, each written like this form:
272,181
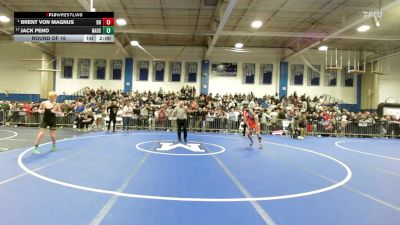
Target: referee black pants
114,120
180,124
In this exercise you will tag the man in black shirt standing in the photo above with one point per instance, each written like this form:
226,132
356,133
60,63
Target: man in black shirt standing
112,110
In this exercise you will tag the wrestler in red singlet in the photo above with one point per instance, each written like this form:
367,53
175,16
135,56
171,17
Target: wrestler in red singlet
252,122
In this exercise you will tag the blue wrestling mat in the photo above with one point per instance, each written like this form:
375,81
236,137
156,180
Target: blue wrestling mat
147,178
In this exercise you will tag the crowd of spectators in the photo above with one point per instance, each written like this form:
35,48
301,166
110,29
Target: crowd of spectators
157,106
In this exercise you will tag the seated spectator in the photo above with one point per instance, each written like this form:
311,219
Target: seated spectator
302,126
79,108
79,121
88,119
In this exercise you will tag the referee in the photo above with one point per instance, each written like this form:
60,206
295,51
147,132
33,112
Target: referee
112,110
181,120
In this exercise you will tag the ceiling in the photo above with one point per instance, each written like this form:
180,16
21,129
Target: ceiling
291,24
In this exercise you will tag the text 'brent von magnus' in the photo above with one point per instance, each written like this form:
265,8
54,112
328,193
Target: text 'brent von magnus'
46,22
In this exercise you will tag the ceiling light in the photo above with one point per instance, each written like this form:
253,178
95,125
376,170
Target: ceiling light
32,60
4,19
121,22
237,50
363,28
134,43
323,48
239,45
256,24
44,70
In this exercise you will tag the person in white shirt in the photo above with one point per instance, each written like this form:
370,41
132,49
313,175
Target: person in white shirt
233,118
180,112
127,112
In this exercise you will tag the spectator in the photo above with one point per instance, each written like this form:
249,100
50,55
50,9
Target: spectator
127,112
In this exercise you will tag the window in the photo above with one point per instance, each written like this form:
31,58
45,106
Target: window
143,70
191,72
116,69
331,78
100,69
347,79
297,74
249,71
314,75
83,68
159,71
67,66
266,74
175,71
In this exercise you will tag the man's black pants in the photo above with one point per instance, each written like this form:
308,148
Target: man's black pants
180,124
114,120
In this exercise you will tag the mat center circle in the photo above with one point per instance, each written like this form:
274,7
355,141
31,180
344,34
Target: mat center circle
171,147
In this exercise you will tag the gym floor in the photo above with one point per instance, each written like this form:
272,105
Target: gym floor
147,178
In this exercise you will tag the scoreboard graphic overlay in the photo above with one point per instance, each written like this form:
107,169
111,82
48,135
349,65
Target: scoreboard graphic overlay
64,26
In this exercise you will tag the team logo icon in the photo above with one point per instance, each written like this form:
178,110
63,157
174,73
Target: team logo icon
167,146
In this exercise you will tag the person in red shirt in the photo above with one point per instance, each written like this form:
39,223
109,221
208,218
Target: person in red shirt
327,121
27,108
252,122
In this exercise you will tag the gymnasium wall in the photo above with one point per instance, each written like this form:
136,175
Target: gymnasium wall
14,74
15,77
225,84
166,53
369,89
315,57
389,84
91,51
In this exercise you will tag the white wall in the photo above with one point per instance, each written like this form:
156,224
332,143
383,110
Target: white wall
315,57
223,84
167,54
29,82
217,84
389,84
14,74
92,51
